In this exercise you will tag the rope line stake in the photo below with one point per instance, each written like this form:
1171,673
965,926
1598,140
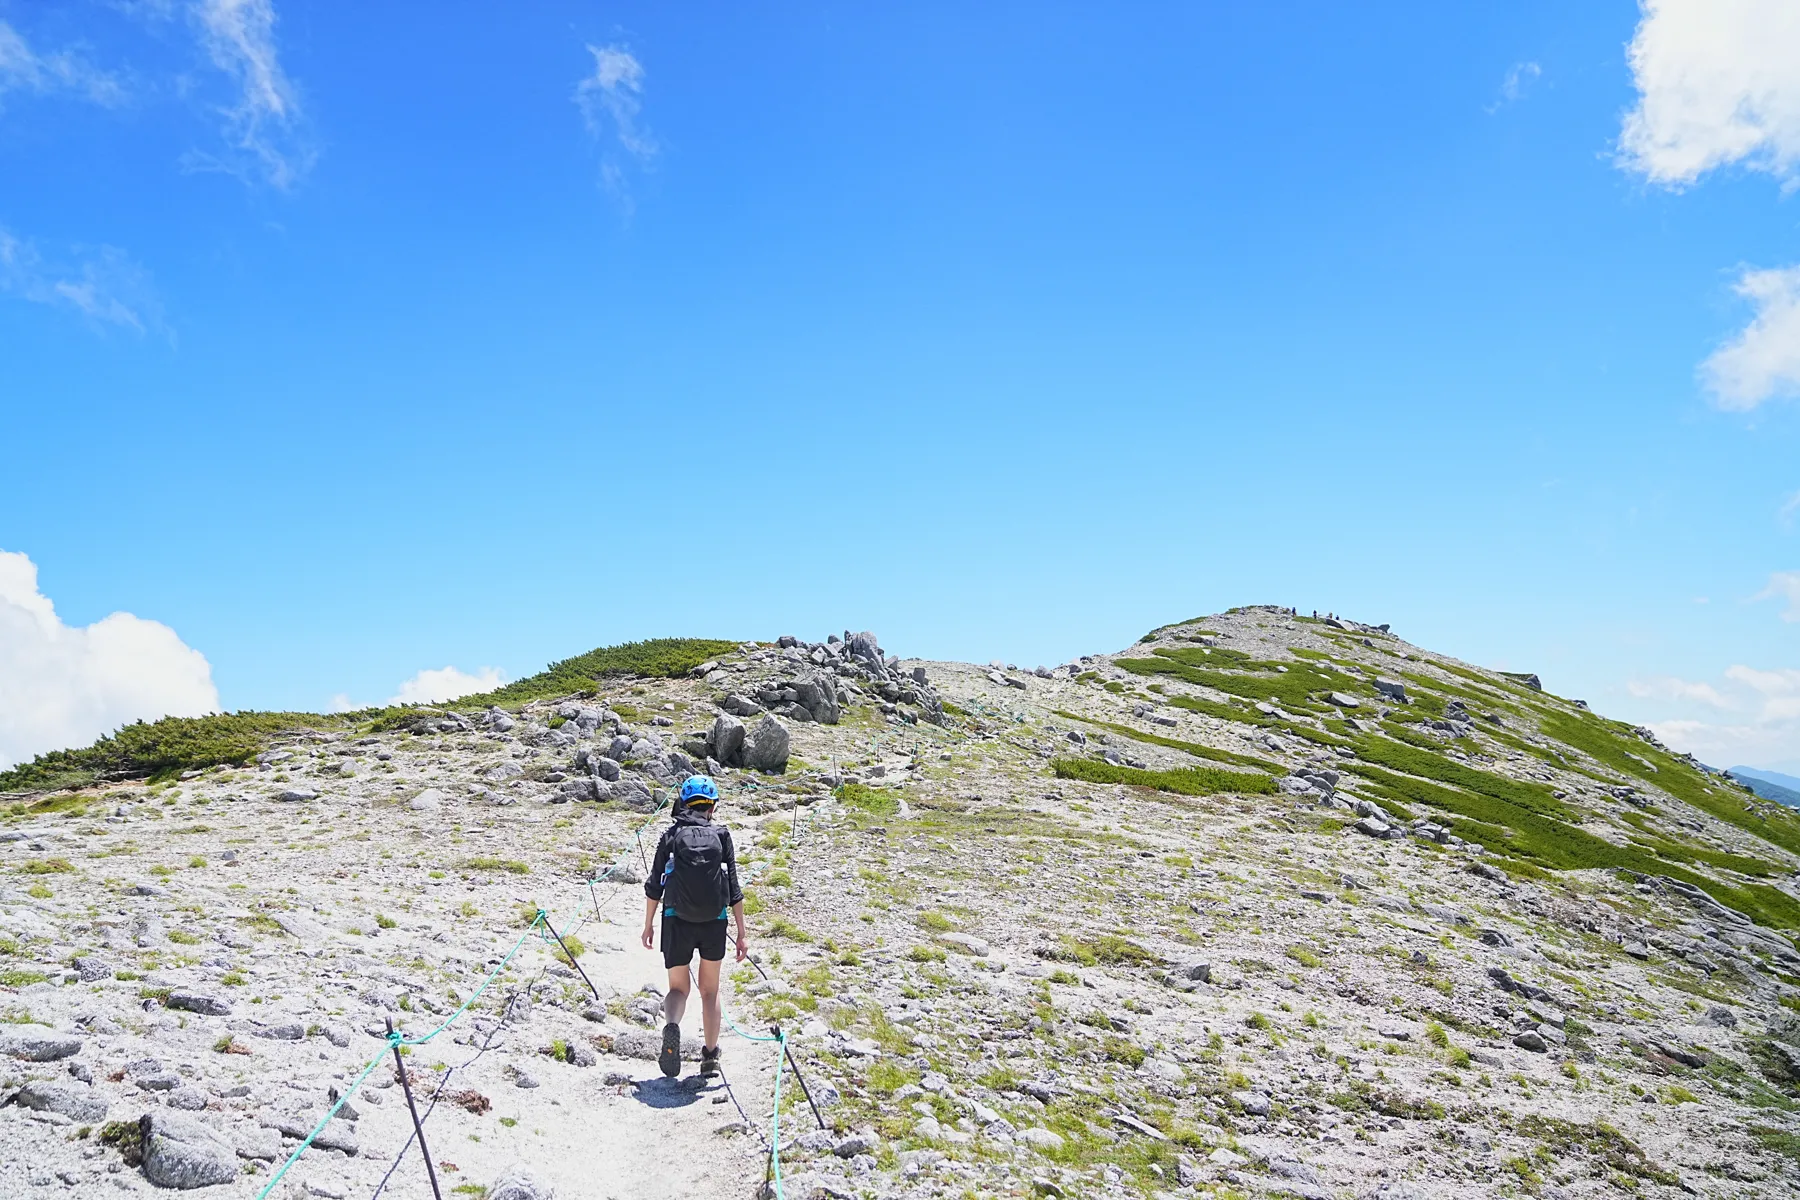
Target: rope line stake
801,1079
573,962
418,1125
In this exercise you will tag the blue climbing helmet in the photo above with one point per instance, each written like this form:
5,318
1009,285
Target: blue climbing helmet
699,789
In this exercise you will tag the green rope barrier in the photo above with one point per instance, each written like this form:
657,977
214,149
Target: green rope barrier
775,1121
445,1023
320,1127
748,1037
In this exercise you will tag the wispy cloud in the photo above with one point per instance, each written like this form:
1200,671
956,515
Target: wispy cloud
611,101
26,70
266,127
102,283
1789,507
1717,86
1767,732
1519,78
1762,362
1667,687
1783,585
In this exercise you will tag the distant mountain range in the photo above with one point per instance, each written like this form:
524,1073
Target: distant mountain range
1770,785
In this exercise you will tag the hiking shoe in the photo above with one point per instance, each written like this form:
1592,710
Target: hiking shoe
709,1060
670,1058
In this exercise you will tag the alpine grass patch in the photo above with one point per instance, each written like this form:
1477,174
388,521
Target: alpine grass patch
1183,781
1194,748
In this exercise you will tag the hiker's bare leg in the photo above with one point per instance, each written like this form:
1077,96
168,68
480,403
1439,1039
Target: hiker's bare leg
710,1009
675,1003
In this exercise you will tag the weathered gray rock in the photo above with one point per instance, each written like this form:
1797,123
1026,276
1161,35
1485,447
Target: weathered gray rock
1255,1103
206,1004
741,706
429,800
181,1152
634,792
188,1099
817,694
1393,689
766,749
1531,1040
281,1031
1375,827
80,1104
586,789
1343,700
968,943
517,1183
725,741
257,1143
92,970
866,650
38,1045
295,795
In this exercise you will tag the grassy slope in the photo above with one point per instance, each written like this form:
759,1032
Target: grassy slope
1523,821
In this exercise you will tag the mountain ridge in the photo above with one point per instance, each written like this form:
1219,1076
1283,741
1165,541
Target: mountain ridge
1258,902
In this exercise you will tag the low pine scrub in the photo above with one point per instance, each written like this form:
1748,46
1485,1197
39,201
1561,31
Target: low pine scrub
1184,781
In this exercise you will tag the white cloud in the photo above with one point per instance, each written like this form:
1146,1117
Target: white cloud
266,127
1667,687
1762,361
612,96
63,685
1519,78
1783,585
102,283
445,683
24,69
615,90
1789,507
1717,85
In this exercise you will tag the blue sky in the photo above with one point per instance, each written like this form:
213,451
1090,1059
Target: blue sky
341,343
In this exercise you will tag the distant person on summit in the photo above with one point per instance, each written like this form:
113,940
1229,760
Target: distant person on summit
694,881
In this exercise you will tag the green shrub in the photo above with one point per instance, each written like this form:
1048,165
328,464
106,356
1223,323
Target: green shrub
511,865
575,950
47,866
1106,948
878,802
1183,781
660,658
1120,1050
157,749
1194,748
1304,956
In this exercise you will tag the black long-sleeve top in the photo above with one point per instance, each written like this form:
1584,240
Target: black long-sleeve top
662,863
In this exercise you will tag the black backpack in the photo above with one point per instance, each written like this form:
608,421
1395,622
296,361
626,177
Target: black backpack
695,884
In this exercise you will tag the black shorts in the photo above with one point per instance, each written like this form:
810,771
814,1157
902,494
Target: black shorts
681,938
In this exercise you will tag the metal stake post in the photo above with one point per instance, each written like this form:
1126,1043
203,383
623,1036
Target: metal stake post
418,1127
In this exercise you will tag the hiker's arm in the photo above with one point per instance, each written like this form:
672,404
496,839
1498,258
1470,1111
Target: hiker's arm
736,894
653,890
743,935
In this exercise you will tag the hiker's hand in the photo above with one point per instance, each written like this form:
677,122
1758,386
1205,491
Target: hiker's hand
649,938
743,946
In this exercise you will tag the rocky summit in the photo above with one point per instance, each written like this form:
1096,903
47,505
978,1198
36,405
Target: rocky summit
1266,904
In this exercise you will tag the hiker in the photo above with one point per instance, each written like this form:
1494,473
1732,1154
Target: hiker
694,881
